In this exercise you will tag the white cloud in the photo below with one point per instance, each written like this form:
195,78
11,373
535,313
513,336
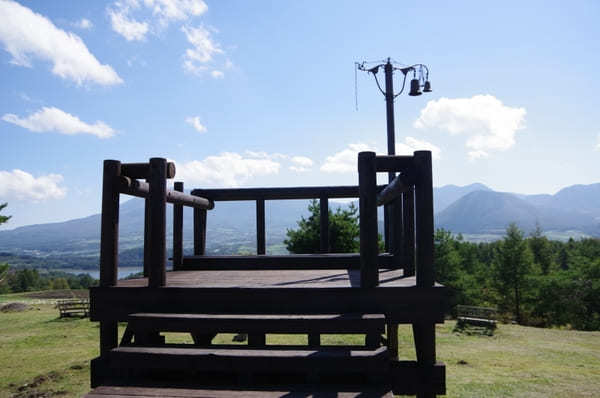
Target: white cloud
474,155
598,142
346,160
228,169
84,23
173,10
217,74
159,14
53,119
411,145
19,184
195,123
26,34
204,48
127,27
301,164
488,124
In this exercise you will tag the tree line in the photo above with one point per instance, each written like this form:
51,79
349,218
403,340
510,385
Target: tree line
529,279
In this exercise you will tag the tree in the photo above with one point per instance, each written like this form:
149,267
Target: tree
512,267
3,219
343,231
540,248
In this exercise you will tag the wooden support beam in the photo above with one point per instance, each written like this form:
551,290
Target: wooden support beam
324,224
142,189
261,244
178,230
142,170
408,234
424,218
367,181
393,163
199,231
109,246
109,235
146,237
393,190
157,194
392,339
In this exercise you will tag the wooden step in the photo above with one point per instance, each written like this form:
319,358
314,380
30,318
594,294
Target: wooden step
205,323
293,392
251,360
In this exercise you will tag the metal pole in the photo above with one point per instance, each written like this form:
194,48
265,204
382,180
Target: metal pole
391,144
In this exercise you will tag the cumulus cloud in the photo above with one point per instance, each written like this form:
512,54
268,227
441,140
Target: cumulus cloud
228,169
25,35
301,164
488,124
19,184
346,160
50,119
410,145
161,13
84,23
127,27
217,74
195,123
203,49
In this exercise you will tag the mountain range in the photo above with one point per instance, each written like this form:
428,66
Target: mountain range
474,210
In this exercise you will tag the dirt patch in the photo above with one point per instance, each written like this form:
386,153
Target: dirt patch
58,294
31,390
14,307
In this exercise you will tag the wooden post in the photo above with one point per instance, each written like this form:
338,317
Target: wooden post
109,246
199,232
408,234
367,181
146,237
177,230
158,217
424,333
392,339
324,223
424,219
261,244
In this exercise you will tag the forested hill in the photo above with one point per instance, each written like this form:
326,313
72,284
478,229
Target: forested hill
473,209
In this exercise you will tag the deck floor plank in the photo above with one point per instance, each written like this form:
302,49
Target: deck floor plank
270,279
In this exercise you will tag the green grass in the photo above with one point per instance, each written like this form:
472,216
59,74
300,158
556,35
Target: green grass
40,353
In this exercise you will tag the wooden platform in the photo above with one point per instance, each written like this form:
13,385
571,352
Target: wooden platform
272,292
274,279
293,392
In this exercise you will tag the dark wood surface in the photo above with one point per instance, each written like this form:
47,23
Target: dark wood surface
221,323
273,279
340,261
307,391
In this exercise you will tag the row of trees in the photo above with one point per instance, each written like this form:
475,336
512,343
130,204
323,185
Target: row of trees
533,280
27,279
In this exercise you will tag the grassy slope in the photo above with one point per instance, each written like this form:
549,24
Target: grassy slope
51,355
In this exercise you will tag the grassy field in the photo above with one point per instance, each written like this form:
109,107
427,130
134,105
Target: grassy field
44,356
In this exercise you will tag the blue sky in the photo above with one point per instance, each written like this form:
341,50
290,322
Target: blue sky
261,93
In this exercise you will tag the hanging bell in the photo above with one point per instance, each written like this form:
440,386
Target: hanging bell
414,88
427,88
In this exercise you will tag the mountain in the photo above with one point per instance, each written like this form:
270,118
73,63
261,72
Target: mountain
490,212
448,194
472,209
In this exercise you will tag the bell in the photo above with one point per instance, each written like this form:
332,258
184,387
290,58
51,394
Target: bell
414,88
427,88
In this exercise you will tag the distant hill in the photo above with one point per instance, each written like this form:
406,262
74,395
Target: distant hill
472,209
448,194
489,212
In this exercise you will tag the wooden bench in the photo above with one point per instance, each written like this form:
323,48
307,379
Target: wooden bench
74,307
476,316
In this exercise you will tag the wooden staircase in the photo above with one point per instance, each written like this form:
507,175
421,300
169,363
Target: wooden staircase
144,355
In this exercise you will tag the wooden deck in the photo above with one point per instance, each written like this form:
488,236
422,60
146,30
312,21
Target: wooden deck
274,279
